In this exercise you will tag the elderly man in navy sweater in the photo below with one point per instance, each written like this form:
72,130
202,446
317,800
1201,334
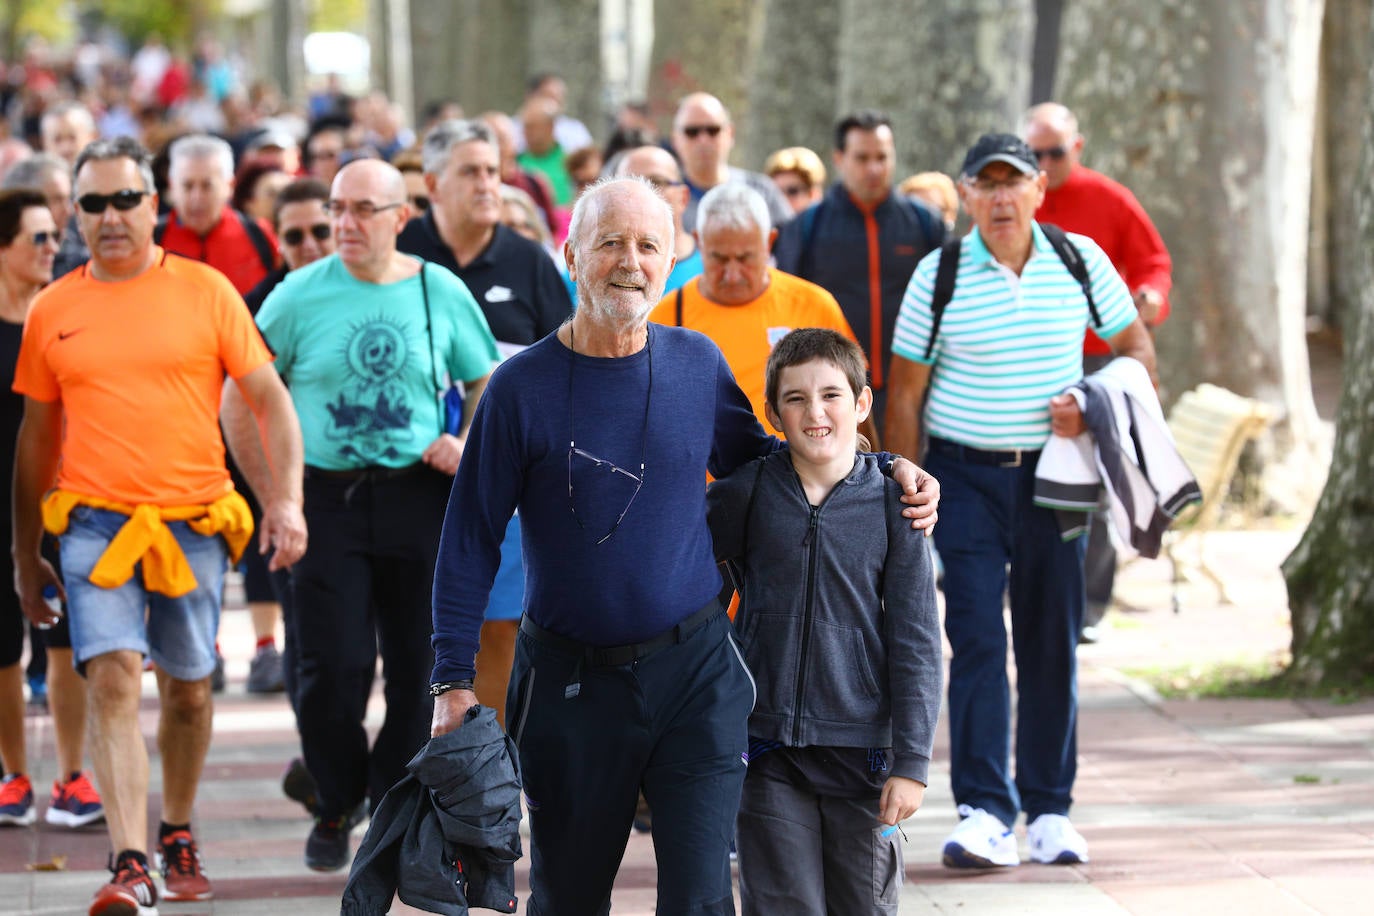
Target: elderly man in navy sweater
626,673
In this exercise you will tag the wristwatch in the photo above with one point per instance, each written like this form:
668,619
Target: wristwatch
445,686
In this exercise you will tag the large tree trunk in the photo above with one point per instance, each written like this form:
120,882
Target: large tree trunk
795,75
565,38
706,46
1330,576
1206,111
945,70
1345,91
475,52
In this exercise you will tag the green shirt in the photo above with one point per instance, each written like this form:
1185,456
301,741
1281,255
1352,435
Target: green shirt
550,165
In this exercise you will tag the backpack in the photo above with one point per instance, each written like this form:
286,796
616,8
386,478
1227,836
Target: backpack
949,267
261,244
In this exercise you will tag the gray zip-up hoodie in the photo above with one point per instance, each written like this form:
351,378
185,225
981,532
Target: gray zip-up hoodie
837,611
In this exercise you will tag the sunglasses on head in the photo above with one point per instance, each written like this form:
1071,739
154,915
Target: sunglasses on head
1054,152
696,130
126,199
296,235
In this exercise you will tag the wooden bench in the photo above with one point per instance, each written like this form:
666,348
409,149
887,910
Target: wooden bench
1211,427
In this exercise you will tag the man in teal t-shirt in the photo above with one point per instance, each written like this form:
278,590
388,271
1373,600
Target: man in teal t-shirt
367,340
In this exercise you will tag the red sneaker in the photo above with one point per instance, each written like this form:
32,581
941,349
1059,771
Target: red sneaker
182,875
75,803
130,893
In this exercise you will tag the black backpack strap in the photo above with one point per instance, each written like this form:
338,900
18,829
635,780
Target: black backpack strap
678,306
266,253
945,276
1073,260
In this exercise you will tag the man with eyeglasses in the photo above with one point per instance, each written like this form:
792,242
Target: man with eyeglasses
863,240
119,454
522,296
995,367
703,136
626,672
367,340
1081,200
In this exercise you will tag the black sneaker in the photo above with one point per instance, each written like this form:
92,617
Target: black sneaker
298,785
326,849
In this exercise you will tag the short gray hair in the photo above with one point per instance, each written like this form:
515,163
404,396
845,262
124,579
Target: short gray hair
62,109
446,135
31,172
199,147
117,148
733,205
601,188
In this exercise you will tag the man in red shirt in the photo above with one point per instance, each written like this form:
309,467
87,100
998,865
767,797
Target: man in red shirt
203,226
1081,200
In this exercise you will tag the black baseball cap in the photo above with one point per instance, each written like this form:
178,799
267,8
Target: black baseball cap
1007,148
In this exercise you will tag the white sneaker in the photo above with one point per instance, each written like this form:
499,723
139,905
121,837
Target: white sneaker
980,841
1054,841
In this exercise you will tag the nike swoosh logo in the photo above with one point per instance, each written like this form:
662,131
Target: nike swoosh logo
63,335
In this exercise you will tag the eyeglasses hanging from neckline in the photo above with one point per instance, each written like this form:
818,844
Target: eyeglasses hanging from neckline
599,463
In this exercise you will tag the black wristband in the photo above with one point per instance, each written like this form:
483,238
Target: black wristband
445,686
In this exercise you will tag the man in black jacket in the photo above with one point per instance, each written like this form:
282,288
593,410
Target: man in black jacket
862,241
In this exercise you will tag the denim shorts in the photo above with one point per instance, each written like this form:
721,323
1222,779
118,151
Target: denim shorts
177,633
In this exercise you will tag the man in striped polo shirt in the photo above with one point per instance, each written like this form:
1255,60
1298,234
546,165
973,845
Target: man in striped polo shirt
1007,347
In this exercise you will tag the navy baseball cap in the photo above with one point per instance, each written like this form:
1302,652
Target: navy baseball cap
1007,148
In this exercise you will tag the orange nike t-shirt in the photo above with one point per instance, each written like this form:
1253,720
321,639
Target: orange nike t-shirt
746,333
139,367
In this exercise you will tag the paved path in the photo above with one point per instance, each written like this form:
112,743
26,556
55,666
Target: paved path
1213,806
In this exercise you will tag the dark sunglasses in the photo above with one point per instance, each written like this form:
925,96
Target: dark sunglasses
696,130
121,200
40,239
295,236
1054,152
420,202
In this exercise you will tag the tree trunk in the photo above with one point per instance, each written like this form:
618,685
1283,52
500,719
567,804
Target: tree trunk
475,52
1346,87
565,38
706,46
946,71
1206,110
795,75
1330,576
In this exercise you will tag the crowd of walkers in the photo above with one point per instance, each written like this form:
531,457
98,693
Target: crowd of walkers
490,403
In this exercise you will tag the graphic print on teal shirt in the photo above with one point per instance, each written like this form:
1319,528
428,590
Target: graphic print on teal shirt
354,357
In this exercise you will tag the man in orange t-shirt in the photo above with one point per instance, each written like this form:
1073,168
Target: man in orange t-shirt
122,365
740,302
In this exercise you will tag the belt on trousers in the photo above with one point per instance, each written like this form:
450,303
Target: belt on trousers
1009,458
611,656
372,474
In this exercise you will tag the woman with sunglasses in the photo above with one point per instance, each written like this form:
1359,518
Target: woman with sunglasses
28,244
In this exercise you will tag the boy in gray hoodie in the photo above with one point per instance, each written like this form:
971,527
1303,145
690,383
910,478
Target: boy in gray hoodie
839,626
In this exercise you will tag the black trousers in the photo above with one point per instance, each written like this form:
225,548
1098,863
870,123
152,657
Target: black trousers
364,587
590,738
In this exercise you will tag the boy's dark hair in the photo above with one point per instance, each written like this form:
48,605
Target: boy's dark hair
806,344
868,119
13,203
